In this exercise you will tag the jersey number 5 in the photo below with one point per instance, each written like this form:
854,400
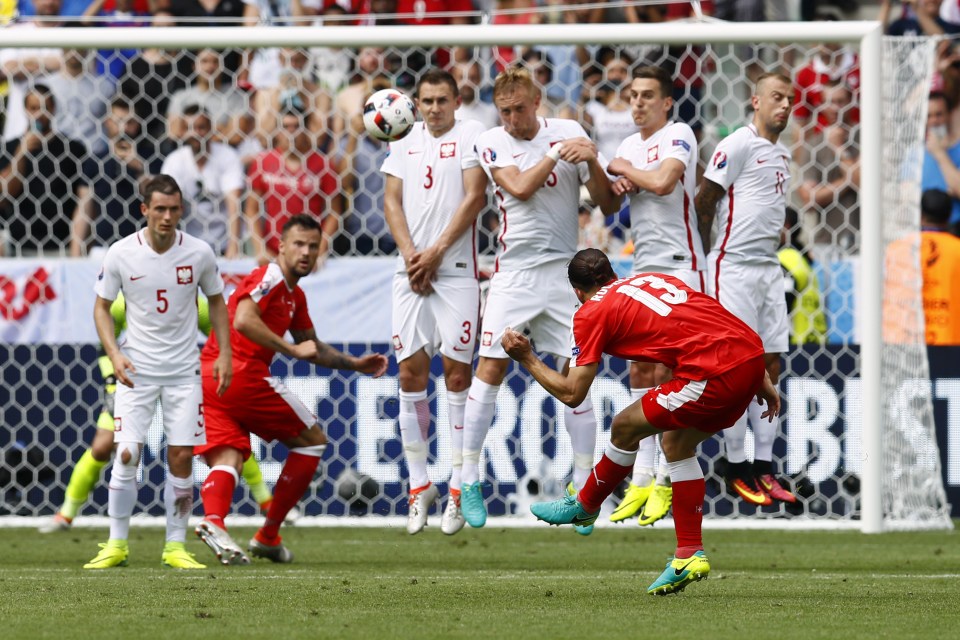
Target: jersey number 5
162,303
659,304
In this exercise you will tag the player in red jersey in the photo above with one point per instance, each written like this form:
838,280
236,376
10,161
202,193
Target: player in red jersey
266,305
718,367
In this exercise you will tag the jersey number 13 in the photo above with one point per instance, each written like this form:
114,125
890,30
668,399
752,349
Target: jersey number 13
662,303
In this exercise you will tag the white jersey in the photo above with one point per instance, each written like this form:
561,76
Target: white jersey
545,227
204,207
664,228
754,172
432,173
161,301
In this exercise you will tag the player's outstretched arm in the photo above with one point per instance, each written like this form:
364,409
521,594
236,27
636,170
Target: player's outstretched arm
423,267
769,395
220,321
374,364
706,200
103,320
571,388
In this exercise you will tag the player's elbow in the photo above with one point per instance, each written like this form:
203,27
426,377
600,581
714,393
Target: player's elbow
242,324
573,398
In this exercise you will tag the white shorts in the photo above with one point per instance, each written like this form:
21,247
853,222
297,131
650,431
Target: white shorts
447,318
696,280
755,294
182,413
539,300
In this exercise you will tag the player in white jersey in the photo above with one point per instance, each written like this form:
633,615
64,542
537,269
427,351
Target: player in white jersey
435,189
537,165
747,177
658,168
159,269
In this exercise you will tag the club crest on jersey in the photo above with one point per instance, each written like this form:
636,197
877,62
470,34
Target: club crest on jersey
489,155
117,424
653,154
487,339
448,150
682,143
185,275
397,344
719,160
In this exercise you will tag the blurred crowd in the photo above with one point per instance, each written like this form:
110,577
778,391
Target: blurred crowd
255,136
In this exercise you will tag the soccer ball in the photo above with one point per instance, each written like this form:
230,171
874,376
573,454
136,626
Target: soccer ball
389,115
357,490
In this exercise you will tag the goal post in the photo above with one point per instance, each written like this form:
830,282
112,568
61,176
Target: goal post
875,419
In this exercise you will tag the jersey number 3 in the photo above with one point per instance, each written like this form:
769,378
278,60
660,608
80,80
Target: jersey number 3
661,304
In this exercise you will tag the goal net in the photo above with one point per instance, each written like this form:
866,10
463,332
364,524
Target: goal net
120,111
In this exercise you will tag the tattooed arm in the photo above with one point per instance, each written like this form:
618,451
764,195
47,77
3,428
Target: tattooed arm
374,364
706,201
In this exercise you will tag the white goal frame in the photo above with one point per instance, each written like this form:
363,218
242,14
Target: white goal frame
865,34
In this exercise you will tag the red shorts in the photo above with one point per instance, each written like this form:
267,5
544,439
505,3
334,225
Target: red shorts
706,405
251,404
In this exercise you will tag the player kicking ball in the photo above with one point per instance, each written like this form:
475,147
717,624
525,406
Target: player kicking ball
266,304
718,369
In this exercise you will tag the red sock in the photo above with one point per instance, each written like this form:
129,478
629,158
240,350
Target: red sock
688,498
295,477
217,495
604,478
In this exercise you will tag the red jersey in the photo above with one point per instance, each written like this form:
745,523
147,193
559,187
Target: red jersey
281,308
286,193
652,317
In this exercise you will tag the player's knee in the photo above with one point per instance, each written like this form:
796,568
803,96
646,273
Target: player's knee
128,454
315,437
624,433
641,375
458,379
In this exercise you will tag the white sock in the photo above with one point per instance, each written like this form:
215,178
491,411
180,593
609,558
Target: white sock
764,433
411,434
178,499
456,403
122,496
734,440
619,456
477,418
687,469
582,428
646,453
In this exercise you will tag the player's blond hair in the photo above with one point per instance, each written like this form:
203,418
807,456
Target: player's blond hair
770,75
512,79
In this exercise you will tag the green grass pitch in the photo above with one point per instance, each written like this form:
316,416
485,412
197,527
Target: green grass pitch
491,583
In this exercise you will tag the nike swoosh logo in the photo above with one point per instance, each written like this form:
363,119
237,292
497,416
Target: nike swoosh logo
686,564
458,427
132,278
411,152
519,155
760,161
461,348
198,434
580,413
577,519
